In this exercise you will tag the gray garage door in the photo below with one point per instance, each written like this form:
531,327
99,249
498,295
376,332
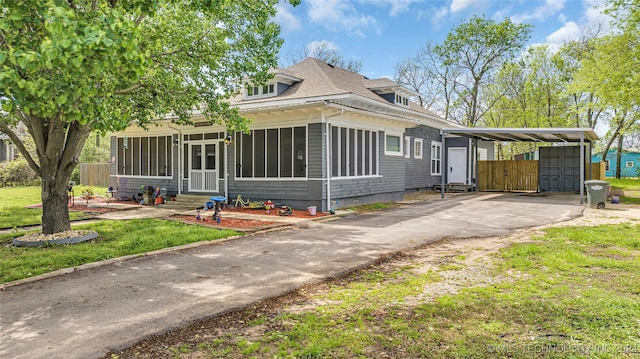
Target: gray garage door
560,169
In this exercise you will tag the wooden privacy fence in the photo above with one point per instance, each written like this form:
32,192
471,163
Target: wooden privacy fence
599,170
95,174
519,175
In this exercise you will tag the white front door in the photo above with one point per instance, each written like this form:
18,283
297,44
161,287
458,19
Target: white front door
457,163
203,170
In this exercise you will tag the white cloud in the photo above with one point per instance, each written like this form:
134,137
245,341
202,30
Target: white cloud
314,46
399,6
339,15
541,13
285,18
570,31
460,5
437,15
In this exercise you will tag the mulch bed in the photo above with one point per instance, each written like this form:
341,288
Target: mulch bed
296,213
226,223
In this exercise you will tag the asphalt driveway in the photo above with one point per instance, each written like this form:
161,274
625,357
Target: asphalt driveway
87,313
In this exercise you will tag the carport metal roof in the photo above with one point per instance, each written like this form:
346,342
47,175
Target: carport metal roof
526,134
580,135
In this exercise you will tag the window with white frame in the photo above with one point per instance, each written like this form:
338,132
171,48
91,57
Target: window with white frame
145,156
436,158
417,148
393,145
629,164
402,100
253,91
272,153
407,147
354,152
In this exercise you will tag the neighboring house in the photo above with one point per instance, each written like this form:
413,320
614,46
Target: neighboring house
630,163
321,135
7,150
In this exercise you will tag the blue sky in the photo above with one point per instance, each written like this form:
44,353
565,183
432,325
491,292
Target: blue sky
380,33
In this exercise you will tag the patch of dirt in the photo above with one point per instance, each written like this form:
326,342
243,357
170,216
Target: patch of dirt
225,223
461,263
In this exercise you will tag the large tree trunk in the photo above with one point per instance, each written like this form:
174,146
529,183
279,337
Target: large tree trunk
55,212
58,145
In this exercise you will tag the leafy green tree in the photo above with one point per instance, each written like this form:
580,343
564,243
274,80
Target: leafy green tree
479,48
70,67
611,72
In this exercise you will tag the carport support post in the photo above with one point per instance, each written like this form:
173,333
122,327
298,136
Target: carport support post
443,162
581,168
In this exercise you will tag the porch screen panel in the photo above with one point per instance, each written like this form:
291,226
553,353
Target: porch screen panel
144,156
259,151
185,160
135,147
247,155
169,155
367,152
343,152
272,153
238,147
162,156
128,161
286,152
120,155
300,151
374,153
196,157
352,152
361,151
153,151
335,151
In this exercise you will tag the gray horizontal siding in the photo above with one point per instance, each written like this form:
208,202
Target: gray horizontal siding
418,171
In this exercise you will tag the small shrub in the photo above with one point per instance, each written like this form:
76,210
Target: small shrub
16,172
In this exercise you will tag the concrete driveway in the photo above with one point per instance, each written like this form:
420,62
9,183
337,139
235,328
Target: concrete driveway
87,313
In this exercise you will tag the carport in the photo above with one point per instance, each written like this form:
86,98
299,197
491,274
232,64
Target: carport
582,136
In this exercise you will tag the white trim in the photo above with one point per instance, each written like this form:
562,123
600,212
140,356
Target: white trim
400,143
260,90
418,143
354,177
436,144
359,157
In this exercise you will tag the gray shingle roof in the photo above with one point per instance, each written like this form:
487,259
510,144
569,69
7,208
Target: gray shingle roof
322,80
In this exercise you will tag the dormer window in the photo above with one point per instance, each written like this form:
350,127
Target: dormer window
267,90
402,100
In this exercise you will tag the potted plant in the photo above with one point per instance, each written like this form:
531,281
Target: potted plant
147,194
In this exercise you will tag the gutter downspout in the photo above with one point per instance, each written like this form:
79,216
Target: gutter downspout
180,155
325,119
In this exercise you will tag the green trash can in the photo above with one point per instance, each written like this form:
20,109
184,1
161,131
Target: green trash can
597,193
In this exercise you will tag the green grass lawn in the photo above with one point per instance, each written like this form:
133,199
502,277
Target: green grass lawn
571,293
631,188
116,239
14,199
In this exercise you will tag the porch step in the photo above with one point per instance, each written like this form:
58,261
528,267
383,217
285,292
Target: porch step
453,187
187,201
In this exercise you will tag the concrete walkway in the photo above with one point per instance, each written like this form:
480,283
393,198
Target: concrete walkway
87,313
